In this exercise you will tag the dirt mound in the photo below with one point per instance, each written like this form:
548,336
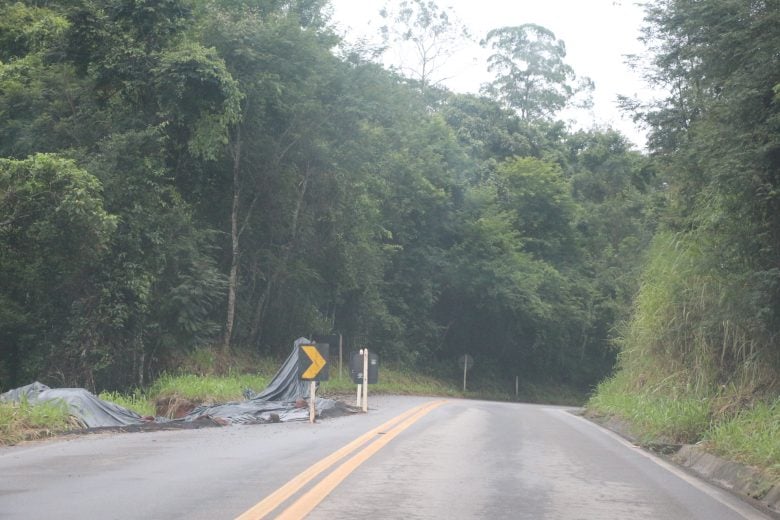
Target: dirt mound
174,406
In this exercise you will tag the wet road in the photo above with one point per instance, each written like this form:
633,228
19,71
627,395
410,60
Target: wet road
451,460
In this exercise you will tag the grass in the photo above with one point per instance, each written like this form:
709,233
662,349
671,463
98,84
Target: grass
135,401
405,382
668,415
696,360
752,437
198,389
206,389
24,421
391,381
655,415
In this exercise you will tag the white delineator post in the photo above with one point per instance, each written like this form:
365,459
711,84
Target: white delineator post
341,358
312,398
365,379
465,369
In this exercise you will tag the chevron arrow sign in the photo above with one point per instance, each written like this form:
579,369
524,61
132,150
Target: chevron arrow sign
313,362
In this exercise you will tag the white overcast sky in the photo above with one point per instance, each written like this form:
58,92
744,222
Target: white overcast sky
598,34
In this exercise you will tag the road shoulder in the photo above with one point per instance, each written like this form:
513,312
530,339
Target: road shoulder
747,482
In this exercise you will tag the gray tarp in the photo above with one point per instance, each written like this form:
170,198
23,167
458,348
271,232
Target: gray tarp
277,402
279,398
285,386
91,411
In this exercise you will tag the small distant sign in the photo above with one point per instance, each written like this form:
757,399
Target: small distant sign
465,362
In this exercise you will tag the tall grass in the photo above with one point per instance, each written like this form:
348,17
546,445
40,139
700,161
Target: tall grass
697,319
752,437
654,415
24,421
136,401
695,361
211,389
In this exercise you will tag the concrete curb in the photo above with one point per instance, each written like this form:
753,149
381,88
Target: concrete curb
745,481
738,478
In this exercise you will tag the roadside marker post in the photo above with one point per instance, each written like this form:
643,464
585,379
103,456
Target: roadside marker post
341,355
365,377
466,362
364,371
312,398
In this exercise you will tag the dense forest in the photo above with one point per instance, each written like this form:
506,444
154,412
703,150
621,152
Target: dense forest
180,174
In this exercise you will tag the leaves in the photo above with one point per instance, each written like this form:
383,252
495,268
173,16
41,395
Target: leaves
215,170
531,75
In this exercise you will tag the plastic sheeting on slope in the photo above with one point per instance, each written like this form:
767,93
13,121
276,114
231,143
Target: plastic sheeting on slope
276,403
88,409
285,386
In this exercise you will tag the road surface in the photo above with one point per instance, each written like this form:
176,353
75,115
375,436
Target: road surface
408,458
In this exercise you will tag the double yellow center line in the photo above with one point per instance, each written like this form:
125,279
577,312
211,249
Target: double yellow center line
380,436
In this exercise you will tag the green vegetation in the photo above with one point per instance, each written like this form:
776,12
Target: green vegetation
135,401
392,381
752,437
187,183
24,421
196,174
655,414
749,435
699,358
210,389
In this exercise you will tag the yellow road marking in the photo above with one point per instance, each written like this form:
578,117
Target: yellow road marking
317,362
304,505
275,499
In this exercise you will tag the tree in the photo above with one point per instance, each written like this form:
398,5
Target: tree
280,58
53,230
539,198
532,77
427,32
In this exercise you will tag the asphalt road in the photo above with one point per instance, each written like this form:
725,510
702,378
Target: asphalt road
450,460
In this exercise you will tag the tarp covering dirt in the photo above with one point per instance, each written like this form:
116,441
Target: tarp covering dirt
285,386
281,401
88,409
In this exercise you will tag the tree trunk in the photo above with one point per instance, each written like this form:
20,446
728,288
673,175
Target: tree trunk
233,278
262,304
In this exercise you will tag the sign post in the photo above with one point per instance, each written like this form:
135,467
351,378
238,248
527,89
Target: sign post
312,399
364,370
341,356
466,362
365,377
313,367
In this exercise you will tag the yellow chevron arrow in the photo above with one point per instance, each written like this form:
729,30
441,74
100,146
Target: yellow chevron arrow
317,362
